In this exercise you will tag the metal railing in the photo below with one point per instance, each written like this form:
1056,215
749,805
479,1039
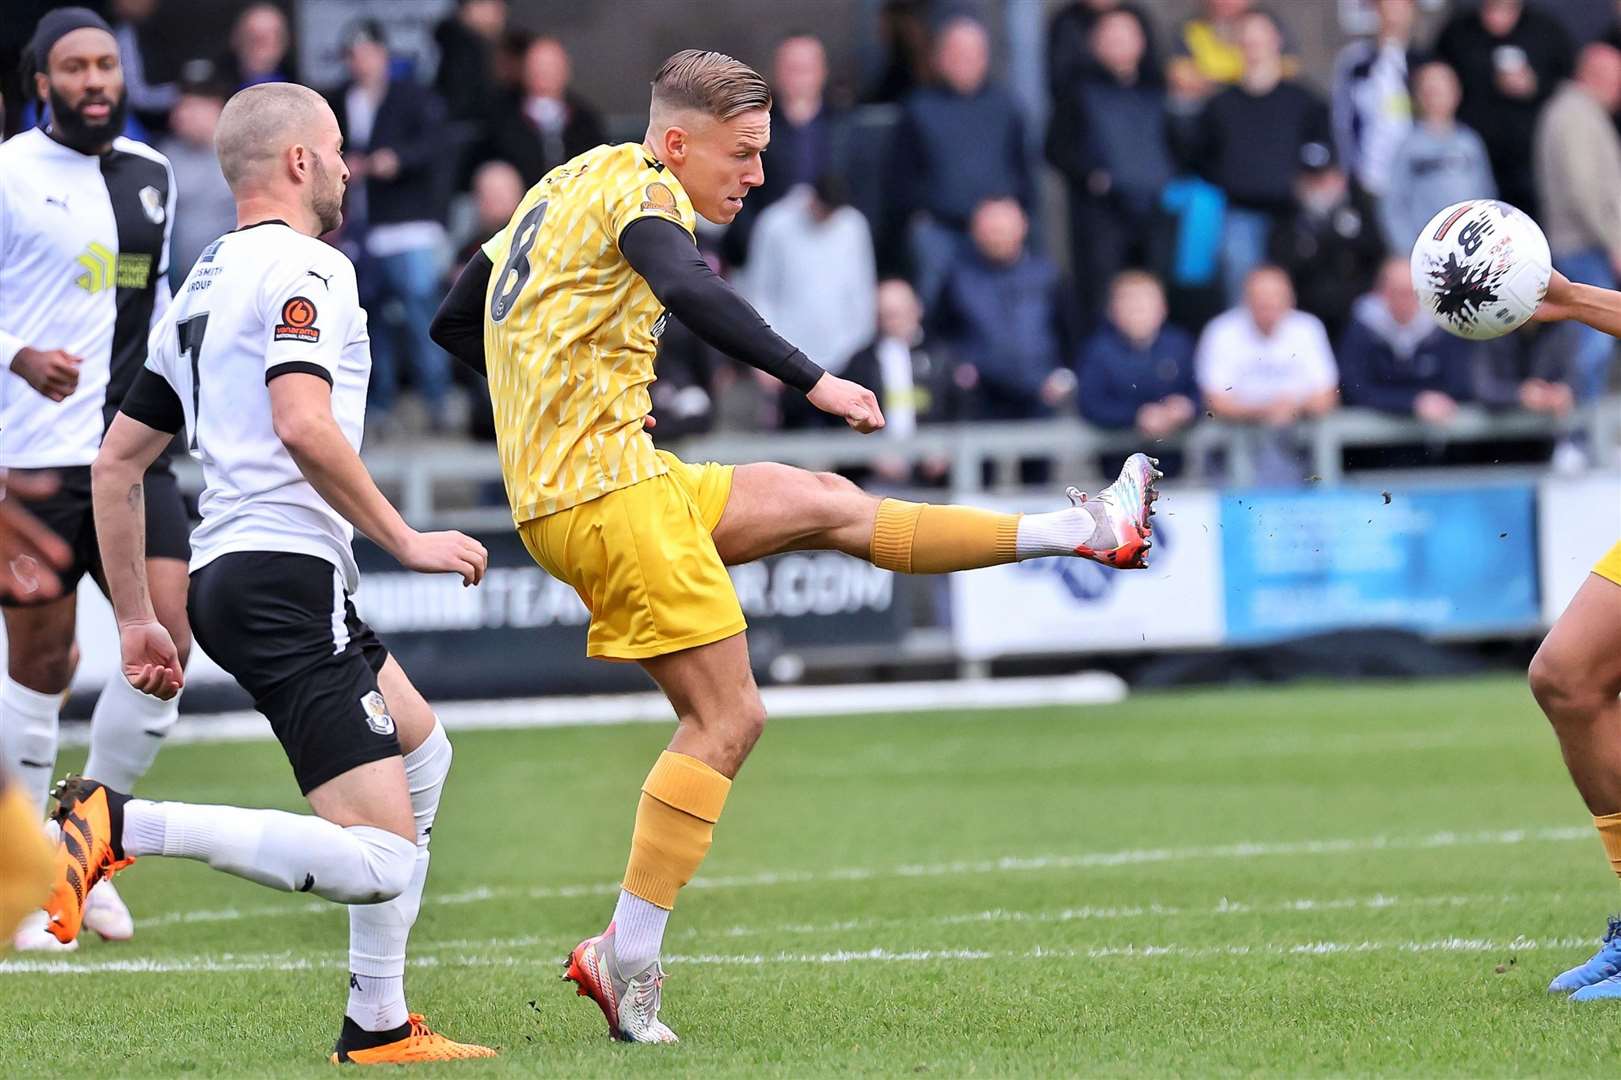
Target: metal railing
443,484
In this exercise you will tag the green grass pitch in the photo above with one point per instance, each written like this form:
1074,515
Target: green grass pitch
1376,879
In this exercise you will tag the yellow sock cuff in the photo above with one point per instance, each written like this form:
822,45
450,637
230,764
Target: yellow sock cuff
1609,834
892,535
686,784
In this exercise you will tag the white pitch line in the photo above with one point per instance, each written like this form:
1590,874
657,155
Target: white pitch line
1095,860
281,962
592,710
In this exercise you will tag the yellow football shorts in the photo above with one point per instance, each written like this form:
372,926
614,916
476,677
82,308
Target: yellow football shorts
1610,565
644,562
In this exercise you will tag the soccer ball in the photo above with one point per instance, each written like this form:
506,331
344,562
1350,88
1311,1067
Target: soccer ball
1481,268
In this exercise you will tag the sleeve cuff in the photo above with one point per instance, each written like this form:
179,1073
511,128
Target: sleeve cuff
10,346
298,367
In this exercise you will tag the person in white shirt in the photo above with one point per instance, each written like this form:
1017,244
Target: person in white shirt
86,218
1267,363
263,362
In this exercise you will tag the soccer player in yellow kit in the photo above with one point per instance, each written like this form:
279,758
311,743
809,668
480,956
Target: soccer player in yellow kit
563,310
1576,676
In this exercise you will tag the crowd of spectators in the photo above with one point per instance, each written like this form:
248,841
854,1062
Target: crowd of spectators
1237,227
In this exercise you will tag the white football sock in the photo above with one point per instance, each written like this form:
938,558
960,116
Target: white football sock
126,732
1062,531
378,932
638,933
292,852
28,725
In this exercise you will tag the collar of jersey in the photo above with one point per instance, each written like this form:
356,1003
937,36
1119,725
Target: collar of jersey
256,224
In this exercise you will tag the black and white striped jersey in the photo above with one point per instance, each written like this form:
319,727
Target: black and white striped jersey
84,249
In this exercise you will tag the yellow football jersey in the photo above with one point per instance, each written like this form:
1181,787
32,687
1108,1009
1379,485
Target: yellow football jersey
570,331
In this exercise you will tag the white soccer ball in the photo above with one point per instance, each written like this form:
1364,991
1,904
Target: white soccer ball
1481,268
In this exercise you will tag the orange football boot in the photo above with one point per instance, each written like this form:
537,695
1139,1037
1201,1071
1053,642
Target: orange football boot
420,1044
92,848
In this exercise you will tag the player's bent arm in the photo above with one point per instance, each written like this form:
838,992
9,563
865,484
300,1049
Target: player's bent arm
1587,304
458,325
301,410
662,252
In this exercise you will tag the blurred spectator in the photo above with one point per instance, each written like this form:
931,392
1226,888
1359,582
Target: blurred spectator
465,79
1003,309
913,382
205,210
1509,60
1578,169
392,145
1248,142
467,40
548,123
683,395
1070,55
1264,362
811,275
938,176
148,100
807,134
1109,137
1137,371
1371,107
903,36
1396,359
1439,162
259,48
1206,53
1530,369
497,191
1331,243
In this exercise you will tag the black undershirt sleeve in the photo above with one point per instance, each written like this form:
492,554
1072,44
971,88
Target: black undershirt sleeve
458,326
153,402
663,253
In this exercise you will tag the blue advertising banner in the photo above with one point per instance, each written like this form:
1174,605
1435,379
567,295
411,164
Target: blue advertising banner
1435,561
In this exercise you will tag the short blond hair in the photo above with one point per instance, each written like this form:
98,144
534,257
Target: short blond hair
710,83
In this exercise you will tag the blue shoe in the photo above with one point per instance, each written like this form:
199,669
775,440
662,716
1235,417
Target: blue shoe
1598,973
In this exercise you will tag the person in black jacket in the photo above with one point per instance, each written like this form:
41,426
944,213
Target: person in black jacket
465,78
547,123
1070,55
392,131
1331,245
1248,142
1509,59
1109,136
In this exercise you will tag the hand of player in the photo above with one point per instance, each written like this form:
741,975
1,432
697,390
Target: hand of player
851,402
52,372
151,662
445,552
1555,306
30,554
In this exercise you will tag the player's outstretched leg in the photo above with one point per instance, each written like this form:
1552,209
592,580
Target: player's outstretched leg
721,717
774,508
1576,677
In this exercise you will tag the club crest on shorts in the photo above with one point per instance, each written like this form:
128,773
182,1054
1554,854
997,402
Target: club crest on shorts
152,204
376,711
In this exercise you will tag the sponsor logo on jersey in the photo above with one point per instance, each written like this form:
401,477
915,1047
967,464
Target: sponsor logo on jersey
152,204
298,321
660,199
376,711
106,269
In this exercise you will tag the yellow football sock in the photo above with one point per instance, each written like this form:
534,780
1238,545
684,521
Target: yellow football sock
1609,834
922,538
675,823
25,860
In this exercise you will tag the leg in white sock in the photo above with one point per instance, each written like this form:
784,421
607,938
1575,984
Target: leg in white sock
292,852
378,932
638,933
126,732
1060,532
28,727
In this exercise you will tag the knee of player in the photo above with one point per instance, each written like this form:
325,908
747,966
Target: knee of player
751,721
842,501
47,668
1558,684
386,861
